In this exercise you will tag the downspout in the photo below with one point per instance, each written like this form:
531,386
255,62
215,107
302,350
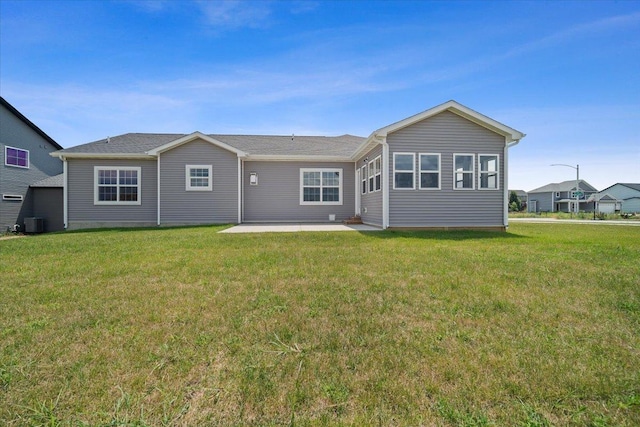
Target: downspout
158,185
65,192
240,192
506,181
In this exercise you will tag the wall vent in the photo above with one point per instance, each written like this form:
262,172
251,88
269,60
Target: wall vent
13,197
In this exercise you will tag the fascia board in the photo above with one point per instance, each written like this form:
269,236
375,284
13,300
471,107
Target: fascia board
191,137
137,156
296,158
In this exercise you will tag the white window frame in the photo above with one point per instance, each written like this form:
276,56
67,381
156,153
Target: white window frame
320,202
413,171
421,171
96,186
472,171
480,172
364,180
372,176
377,178
187,178
7,147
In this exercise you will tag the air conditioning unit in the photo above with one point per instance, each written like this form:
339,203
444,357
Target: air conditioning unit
33,225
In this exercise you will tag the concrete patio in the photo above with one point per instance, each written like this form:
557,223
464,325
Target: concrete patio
292,228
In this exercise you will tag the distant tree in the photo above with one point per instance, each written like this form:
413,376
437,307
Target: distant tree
514,202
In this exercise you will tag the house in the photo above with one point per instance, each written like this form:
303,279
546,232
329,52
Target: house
561,197
445,167
605,203
627,194
25,151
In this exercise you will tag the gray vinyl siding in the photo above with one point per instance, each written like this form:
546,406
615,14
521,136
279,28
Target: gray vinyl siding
177,205
371,202
277,195
446,133
545,202
48,205
630,197
14,180
82,212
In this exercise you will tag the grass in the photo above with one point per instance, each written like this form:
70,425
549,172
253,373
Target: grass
535,327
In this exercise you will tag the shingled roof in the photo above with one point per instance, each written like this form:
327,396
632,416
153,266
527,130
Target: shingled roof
258,145
563,186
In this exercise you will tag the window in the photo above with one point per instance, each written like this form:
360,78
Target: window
403,167
378,172
372,175
16,157
198,178
117,185
429,171
557,194
489,171
363,176
320,186
463,170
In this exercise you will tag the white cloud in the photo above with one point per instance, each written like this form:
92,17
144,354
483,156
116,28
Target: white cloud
232,14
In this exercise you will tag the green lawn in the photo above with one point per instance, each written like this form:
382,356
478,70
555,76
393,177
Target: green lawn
538,326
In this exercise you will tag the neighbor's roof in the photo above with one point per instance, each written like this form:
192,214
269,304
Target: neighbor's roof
29,123
563,186
52,181
626,184
253,145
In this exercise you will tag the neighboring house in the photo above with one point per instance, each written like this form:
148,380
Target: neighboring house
24,159
626,193
561,197
445,167
522,197
605,203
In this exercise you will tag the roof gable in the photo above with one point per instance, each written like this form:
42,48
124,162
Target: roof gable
192,137
511,134
563,186
633,186
29,123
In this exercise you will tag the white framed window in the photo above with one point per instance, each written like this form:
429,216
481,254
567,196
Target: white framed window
198,178
463,171
489,174
16,157
378,173
403,170
429,171
117,185
321,186
363,177
557,194
372,176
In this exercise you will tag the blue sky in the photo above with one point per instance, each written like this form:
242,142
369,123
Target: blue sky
565,73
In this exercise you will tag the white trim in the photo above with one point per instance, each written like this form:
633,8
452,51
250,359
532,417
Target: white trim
118,156
506,186
358,193
187,178
298,158
321,203
158,195
371,177
497,171
473,171
420,171
65,192
192,137
364,179
19,149
377,172
413,170
385,184
118,168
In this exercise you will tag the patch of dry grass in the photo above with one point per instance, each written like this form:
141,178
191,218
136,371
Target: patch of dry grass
185,326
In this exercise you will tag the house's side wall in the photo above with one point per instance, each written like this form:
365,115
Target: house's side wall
277,195
83,213
544,202
14,180
47,204
446,134
630,197
179,206
371,203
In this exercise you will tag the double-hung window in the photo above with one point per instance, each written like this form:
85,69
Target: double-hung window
463,171
429,171
363,177
198,178
489,171
16,157
321,186
403,170
378,172
372,176
117,185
